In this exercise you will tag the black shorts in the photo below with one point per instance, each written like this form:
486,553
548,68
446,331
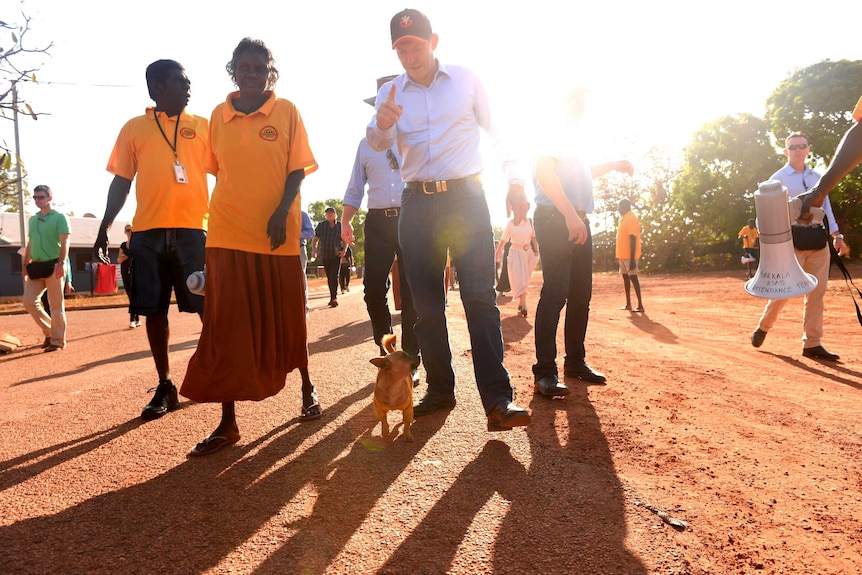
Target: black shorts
162,259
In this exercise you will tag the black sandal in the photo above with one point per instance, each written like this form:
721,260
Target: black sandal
312,411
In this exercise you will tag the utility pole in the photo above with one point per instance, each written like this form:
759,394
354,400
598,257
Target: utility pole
18,172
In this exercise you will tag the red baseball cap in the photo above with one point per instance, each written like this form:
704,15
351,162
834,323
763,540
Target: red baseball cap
410,25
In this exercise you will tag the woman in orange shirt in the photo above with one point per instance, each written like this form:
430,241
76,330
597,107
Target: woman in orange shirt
252,337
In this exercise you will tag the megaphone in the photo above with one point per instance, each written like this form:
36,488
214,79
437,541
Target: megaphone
779,275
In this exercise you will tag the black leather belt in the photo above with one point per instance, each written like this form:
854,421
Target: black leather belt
386,212
440,186
581,214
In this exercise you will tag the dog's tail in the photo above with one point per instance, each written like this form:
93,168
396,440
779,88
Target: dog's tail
388,342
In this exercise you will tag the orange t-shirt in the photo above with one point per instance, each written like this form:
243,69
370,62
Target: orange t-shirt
629,226
254,154
142,151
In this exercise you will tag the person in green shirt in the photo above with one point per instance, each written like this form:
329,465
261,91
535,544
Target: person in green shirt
48,249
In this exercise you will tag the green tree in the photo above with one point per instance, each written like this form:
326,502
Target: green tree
316,211
818,100
722,166
664,231
8,184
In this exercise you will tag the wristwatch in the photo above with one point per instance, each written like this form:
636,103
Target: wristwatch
838,237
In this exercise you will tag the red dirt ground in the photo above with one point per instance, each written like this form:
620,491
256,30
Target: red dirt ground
757,450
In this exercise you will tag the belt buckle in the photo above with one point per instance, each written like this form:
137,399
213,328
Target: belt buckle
438,186
390,212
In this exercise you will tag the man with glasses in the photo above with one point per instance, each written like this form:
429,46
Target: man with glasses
168,150
45,266
380,173
798,178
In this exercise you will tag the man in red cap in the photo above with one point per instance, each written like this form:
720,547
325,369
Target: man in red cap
432,113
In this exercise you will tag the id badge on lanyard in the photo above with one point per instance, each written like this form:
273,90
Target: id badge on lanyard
180,173
179,170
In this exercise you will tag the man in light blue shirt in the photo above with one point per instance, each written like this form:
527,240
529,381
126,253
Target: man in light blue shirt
564,198
798,177
380,172
432,114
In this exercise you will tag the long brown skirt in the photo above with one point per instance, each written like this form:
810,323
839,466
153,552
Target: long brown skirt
253,331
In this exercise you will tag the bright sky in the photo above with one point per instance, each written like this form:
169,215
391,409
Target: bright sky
657,70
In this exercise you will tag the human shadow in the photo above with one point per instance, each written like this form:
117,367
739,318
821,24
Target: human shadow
654,328
348,490
571,497
432,545
198,513
20,469
344,335
814,370
192,343
515,328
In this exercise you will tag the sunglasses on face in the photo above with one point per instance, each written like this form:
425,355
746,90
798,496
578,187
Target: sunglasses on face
795,147
393,161
40,197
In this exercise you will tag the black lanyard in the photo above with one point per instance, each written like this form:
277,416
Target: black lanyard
176,130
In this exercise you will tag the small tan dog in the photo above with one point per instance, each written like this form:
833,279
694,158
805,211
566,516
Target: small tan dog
394,388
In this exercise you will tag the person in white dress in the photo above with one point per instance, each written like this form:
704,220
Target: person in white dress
522,260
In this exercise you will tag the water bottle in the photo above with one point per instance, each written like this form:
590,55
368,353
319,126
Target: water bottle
197,282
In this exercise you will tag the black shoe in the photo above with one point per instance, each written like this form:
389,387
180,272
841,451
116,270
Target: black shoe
506,415
46,343
333,302
550,386
758,336
431,403
818,352
164,400
584,373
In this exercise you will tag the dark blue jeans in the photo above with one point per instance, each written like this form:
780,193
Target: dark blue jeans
567,269
332,267
457,220
381,247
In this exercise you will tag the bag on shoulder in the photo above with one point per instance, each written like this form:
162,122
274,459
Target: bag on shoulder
809,237
40,270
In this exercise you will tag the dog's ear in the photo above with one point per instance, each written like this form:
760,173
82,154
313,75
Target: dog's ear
380,362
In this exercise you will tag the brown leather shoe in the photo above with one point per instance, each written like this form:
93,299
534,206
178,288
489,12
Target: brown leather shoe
506,415
758,336
818,352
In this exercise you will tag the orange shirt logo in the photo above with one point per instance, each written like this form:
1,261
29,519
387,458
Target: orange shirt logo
188,133
268,133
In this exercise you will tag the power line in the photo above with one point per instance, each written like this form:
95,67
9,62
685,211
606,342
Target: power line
79,85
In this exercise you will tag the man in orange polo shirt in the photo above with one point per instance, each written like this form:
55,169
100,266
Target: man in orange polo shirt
169,152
